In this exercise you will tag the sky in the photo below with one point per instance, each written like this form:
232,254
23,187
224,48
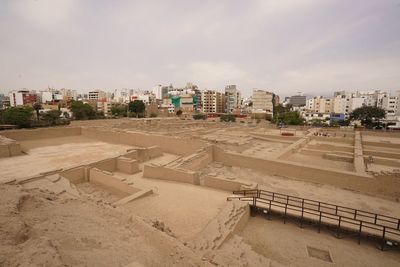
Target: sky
309,46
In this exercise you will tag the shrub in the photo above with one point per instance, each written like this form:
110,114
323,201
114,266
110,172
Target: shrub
199,116
228,118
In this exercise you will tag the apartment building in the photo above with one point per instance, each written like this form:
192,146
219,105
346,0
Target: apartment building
213,101
22,97
262,101
232,98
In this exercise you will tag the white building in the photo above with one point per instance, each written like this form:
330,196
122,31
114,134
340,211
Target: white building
232,98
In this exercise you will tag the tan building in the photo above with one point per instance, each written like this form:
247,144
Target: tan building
105,107
262,101
319,104
213,101
97,95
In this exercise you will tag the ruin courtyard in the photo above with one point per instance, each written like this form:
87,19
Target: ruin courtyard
159,192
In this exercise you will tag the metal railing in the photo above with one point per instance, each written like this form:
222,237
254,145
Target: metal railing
384,228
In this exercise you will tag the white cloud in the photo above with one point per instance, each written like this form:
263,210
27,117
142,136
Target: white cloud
45,14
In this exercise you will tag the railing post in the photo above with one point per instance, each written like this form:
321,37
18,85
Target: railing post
383,238
319,222
269,210
338,228
355,214
302,213
284,216
359,233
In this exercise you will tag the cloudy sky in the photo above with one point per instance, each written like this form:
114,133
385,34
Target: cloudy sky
312,46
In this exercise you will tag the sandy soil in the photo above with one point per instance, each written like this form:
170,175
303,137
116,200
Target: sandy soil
57,153
264,150
184,208
39,228
381,139
42,229
320,162
325,193
287,244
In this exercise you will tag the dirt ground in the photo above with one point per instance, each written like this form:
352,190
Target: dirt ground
54,153
290,245
43,228
38,228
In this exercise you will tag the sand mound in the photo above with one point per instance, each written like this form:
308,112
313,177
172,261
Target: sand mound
40,228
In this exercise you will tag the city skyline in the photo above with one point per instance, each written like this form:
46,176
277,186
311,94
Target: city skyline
307,46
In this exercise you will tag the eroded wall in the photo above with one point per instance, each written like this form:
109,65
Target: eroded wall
342,179
173,145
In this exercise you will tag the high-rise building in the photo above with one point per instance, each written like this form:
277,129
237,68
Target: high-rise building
233,98
298,100
97,95
22,97
262,101
213,101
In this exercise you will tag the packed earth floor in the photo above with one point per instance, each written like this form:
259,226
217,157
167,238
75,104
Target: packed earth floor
154,192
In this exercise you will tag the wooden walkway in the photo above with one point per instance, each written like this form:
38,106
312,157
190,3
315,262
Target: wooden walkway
384,229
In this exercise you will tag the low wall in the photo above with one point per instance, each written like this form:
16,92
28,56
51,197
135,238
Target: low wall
127,165
107,180
382,154
42,133
225,184
232,218
359,164
384,161
198,160
163,173
381,144
337,157
10,149
148,153
277,138
75,175
341,179
331,147
321,153
109,165
173,145
343,140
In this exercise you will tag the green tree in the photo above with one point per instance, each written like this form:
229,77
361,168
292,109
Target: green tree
137,107
51,117
290,118
119,110
37,106
20,116
280,109
369,116
82,111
